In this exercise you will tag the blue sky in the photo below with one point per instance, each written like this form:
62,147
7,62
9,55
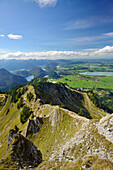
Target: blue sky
56,29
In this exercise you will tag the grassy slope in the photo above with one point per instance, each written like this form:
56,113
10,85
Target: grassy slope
86,163
2,100
8,122
9,163
94,111
54,131
13,118
57,129
78,152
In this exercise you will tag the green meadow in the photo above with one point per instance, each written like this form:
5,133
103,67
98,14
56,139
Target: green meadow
88,82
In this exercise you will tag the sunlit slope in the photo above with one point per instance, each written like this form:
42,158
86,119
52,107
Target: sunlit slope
67,140
3,99
57,96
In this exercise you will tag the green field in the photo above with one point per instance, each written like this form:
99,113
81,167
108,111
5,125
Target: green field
87,82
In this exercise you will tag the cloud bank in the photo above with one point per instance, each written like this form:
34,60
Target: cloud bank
1,35
15,37
106,52
45,3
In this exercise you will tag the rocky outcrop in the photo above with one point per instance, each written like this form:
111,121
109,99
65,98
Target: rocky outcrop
12,132
23,151
105,127
33,126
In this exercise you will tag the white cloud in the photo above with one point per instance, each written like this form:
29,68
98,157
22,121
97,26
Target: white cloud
80,24
90,22
110,34
44,3
106,52
16,37
41,55
1,35
90,49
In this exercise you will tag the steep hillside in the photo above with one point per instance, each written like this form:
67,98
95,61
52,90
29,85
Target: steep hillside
81,147
22,73
60,94
3,99
65,139
9,117
8,80
37,72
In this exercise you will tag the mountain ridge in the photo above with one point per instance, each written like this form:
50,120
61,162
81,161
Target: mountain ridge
65,138
8,80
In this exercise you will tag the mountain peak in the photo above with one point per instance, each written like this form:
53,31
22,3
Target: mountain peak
4,72
8,80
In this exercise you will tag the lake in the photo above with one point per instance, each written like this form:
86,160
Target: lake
97,73
29,78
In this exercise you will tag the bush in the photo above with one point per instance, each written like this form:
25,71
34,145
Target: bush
20,103
81,113
24,115
94,99
16,128
18,94
30,96
24,89
62,105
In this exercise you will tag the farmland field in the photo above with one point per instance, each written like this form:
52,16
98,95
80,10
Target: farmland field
88,82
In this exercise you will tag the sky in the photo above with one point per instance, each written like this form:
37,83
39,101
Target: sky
56,29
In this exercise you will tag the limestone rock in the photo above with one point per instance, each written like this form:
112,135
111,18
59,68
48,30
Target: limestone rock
105,127
33,126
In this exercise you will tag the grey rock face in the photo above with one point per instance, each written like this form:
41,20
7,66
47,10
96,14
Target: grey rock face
12,132
33,126
24,151
105,127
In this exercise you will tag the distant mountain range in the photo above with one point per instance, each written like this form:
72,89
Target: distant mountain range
12,65
49,71
8,80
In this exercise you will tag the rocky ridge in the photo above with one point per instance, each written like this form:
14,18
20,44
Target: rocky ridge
23,151
63,136
105,127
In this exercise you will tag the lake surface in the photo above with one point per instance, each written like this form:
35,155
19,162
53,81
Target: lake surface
29,78
97,73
